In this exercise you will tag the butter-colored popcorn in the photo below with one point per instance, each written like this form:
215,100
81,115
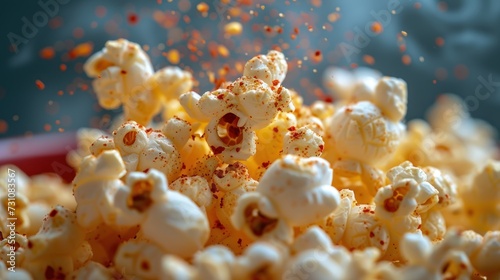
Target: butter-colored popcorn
362,136
101,144
59,247
84,137
442,261
480,199
162,214
227,201
232,176
270,68
175,268
303,142
139,259
95,186
15,241
313,238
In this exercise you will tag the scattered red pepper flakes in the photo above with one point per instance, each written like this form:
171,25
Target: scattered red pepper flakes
47,127
132,18
461,72
4,126
368,59
377,27
81,50
406,59
100,11
47,53
63,67
317,56
60,92
439,41
39,84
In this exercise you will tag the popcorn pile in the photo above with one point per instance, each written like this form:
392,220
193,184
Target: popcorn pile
247,182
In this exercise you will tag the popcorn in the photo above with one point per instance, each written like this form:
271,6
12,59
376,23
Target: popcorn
196,188
139,259
84,137
294,191
303,142
259,261
364,135
94,188
246,104
162,214
270,68
485,258
480,199
58,248
351,85
444,260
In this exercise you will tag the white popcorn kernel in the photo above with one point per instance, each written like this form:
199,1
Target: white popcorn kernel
175,268
227,202
93,270
101,144
232,176
171,82
94,188
121,70
215,262
313,264
391,97
313,238
335,223
20,245
347,85
444,184
300,189
268,68
139,259
260,260
196,188
177,130
58,248
18,274
254,215
84,137
303,142
130,138
190,101
485,260
161,154
433,225
363,230
162,214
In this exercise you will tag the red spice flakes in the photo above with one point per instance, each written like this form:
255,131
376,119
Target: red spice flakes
63,67
133,18
291,128
40,85
53,213
321,148
47,53
372,234
81,50
439,41
368,59
377,27
266,164
217,150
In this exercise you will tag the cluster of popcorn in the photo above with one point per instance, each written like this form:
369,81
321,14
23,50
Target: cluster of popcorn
247,182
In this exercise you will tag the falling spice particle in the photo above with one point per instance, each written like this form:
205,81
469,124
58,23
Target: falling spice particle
406,59
47,127
132,18
63,67
233,28
39,84
461,72
47,53
439,41
81,50
173,56
368,59
377,27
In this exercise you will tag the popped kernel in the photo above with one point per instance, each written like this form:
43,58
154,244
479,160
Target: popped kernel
162,214
303,142
362,136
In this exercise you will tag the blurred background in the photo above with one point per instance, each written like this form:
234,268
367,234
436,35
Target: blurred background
436,46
